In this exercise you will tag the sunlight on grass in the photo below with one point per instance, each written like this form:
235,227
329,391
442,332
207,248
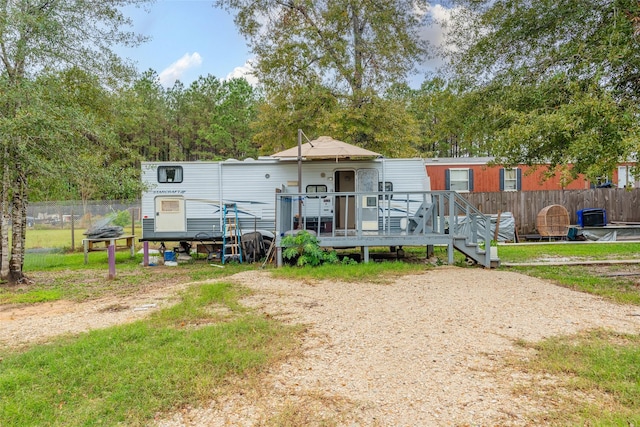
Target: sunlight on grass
62,238
127,374
600,364
569,250
75,261
29,297
378,272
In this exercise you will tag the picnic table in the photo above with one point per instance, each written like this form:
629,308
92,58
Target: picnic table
103,243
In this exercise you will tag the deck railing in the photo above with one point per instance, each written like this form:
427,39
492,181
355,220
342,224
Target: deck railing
413,218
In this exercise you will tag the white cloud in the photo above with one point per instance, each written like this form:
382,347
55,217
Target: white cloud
441,17
441,13
436,34
245,71
175,71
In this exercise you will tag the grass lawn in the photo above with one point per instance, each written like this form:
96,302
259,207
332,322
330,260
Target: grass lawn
568,251
124,375
602,365
591,379
618,282
58,238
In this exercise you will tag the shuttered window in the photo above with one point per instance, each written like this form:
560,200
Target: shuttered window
460,180
510,179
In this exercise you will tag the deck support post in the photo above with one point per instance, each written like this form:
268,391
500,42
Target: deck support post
364,251
145,254
112,261
430,251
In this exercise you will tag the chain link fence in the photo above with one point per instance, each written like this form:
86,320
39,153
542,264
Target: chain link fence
73,218
68,214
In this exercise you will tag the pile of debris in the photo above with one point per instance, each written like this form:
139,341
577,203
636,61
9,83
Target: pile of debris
104,230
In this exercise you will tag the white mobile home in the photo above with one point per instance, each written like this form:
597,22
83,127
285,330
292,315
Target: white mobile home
185,199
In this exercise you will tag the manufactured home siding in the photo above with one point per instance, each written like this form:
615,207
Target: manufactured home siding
405,175
198,187
488,178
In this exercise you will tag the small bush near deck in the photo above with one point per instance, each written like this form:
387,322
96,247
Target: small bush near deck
304,248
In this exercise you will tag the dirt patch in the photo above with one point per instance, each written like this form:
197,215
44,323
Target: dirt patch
23,324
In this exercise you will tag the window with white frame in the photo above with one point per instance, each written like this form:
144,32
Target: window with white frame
315,188
510,179
388,186
459,180
603,182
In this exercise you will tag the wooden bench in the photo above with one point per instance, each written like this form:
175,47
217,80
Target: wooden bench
96,244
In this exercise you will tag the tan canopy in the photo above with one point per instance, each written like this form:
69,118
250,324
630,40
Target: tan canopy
326,147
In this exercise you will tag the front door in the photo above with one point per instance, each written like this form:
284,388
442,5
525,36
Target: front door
345,181
170,214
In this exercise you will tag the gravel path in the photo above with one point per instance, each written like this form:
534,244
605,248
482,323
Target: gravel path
427,350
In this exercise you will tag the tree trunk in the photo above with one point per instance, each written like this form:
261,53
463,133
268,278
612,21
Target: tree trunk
4,220
357,56
19,219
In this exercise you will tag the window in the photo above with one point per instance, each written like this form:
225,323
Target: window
626,178
170,174
170,206
316,189
510,179
603,182
388,186
459,179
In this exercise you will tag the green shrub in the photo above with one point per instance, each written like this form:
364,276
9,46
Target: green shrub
303,247
120,218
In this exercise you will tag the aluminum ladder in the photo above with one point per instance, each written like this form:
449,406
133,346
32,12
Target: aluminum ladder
231,241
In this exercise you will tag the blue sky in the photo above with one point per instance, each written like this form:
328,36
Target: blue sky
191,38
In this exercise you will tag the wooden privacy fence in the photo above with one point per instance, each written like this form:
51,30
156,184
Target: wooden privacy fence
621,205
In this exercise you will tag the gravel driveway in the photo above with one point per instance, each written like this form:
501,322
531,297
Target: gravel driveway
427,350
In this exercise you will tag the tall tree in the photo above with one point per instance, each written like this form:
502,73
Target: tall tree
145,125
38,37
211,118
555,80
354,49
235,113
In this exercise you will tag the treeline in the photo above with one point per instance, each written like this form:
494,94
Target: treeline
208,120
215,119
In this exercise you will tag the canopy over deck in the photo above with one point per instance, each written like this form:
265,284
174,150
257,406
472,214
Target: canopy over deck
326,147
